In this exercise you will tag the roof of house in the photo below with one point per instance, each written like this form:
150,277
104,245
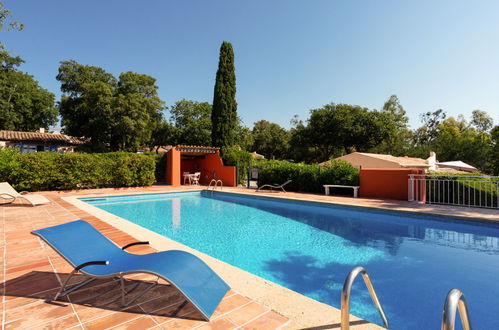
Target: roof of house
198,149
57,138
402,161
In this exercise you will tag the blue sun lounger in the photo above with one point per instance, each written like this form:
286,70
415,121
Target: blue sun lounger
92,254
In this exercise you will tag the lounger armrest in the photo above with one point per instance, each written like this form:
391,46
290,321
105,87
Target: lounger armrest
7,196
91,263
24,192
135,243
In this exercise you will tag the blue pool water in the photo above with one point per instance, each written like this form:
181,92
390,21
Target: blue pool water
414,260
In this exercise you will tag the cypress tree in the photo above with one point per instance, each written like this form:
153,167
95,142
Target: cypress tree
224,111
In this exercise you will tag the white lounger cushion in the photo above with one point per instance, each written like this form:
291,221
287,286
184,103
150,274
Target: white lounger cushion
6,188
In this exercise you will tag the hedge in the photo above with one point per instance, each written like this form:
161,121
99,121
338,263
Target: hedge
235,156
56,171
160,164
307,178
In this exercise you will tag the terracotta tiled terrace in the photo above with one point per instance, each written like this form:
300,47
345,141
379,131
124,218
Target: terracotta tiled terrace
31,273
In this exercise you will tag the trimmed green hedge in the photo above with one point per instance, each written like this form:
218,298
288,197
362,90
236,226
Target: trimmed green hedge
307,178
56,171
160,160
235,156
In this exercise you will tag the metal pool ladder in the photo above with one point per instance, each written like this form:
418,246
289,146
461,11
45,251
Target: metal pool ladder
455,300
345,297
216,184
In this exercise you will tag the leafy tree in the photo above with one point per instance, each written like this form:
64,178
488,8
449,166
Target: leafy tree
431,122
481,120
270,139
300,146
243,137
335,128
6,22
224,113
494,156
397,140
192,122
137,109
115,114
456,139
393,107
24,105
163,134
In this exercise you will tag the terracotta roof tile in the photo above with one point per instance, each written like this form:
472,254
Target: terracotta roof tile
39,137
199,149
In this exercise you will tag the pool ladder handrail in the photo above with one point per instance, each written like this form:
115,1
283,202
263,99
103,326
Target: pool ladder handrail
345,297
216,184
455,300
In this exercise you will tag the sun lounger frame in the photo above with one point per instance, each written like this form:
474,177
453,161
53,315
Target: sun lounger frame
63,291
275,186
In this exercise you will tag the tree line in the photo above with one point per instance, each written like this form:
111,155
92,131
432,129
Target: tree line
126,113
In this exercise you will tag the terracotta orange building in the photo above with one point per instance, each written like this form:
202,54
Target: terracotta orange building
192,159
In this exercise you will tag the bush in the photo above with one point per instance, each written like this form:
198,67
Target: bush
307,178
235,156
160,160
55,171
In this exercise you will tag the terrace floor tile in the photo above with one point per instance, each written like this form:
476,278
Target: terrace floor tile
31,274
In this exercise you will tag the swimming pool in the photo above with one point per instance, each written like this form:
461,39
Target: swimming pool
413,260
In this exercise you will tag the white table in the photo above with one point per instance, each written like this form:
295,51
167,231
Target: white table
355,189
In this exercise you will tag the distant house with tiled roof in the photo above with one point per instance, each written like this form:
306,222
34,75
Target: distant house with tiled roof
368,160
39,141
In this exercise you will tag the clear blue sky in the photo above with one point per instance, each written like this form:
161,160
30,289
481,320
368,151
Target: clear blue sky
291,56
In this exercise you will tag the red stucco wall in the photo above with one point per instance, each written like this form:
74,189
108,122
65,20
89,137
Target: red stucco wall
388,183
211,166
173,174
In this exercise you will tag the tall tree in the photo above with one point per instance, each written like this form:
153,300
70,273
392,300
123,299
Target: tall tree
345,128
494,156
192,122
244,137
481,120
270,139
115,114
24,104
396,142
7,23
300,147
224,113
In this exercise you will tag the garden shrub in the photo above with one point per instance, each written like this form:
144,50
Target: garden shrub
235,156
56,171
307,178
160,160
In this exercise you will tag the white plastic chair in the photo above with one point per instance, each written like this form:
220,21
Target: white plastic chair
196,177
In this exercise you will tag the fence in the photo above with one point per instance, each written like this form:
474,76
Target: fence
462,190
